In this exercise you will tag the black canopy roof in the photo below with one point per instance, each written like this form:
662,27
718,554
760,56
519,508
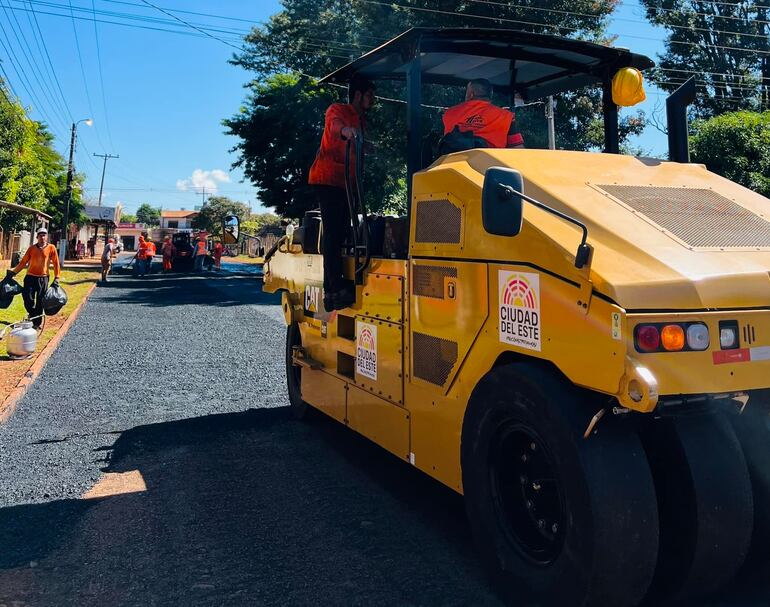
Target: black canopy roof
534,65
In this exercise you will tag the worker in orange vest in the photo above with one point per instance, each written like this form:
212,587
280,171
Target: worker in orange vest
38,258
151,251
168,250
200,252
479,116
141,256
327,176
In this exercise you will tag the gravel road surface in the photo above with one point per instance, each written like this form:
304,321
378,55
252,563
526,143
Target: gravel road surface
179,381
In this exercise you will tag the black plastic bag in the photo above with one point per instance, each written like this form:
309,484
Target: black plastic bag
54,299
9,289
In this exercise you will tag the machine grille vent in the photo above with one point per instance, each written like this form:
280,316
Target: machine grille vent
434,358
438,221
698,217
429,280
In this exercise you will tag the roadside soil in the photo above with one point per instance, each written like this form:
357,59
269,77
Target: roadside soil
77,282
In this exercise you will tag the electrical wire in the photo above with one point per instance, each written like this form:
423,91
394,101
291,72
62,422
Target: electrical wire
101,78
34,71
51,69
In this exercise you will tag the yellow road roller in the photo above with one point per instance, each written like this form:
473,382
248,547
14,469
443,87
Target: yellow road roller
578,343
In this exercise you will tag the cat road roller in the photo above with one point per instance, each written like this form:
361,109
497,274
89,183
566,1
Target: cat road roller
578,343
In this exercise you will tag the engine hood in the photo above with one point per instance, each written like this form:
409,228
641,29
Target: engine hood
666,236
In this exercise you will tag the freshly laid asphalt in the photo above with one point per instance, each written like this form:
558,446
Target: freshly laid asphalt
181,378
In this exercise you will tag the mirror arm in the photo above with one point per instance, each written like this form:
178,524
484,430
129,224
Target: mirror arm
581,255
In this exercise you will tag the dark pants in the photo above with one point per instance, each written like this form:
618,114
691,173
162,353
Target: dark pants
336,224
34,290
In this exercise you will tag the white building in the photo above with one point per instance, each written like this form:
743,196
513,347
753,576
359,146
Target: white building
177,220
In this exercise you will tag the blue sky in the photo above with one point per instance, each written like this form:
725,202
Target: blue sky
157,98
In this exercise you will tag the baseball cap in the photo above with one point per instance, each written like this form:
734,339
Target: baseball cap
42,231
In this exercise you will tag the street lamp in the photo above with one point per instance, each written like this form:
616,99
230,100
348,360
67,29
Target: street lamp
68,191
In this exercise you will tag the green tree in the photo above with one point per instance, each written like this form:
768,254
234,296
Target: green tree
737,146
254,223
32,172
313,38
148,214
128,218
215,210
726,45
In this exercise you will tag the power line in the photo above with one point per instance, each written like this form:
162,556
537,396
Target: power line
190,25
50,68
39,80
101,78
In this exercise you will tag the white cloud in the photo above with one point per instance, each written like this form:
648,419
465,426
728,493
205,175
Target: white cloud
200,180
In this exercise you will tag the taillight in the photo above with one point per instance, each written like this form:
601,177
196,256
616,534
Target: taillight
698,337
647,338
672,337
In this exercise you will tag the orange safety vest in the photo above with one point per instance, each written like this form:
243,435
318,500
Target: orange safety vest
329,165
201,247
141,252
484,119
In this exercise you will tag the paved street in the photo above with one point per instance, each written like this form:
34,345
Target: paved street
178,383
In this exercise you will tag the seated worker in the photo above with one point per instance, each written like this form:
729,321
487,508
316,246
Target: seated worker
479,117
327,176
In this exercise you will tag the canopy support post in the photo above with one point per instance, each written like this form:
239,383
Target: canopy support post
413,127
611,136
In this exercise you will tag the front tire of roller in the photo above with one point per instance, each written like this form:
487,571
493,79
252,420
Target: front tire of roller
565,520
704,503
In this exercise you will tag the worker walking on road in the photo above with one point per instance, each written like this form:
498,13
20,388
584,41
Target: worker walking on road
38,260
218,250
168,250
343,121
200,252
141,256
107,256
151,251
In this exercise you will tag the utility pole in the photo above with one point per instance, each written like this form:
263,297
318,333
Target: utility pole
104,170
68,192
550,116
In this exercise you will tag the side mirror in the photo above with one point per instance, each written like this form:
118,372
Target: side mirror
231,229
501,208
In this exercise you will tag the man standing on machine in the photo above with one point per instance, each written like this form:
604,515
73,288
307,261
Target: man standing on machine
327,175
479,116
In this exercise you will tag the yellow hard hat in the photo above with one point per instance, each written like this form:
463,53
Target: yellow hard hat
628,87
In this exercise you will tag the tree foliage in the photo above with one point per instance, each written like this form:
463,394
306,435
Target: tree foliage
254,223
737,146
128,218
724,44
32,172
148,215
215,210
280,124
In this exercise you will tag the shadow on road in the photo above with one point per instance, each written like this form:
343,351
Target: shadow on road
253,509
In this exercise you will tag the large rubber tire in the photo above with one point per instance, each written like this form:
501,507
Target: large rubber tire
299,408
704,503
598,492
753,430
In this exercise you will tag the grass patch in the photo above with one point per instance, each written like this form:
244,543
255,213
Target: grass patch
76,283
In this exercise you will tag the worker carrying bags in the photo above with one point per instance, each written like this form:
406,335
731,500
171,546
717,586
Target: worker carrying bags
54,299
